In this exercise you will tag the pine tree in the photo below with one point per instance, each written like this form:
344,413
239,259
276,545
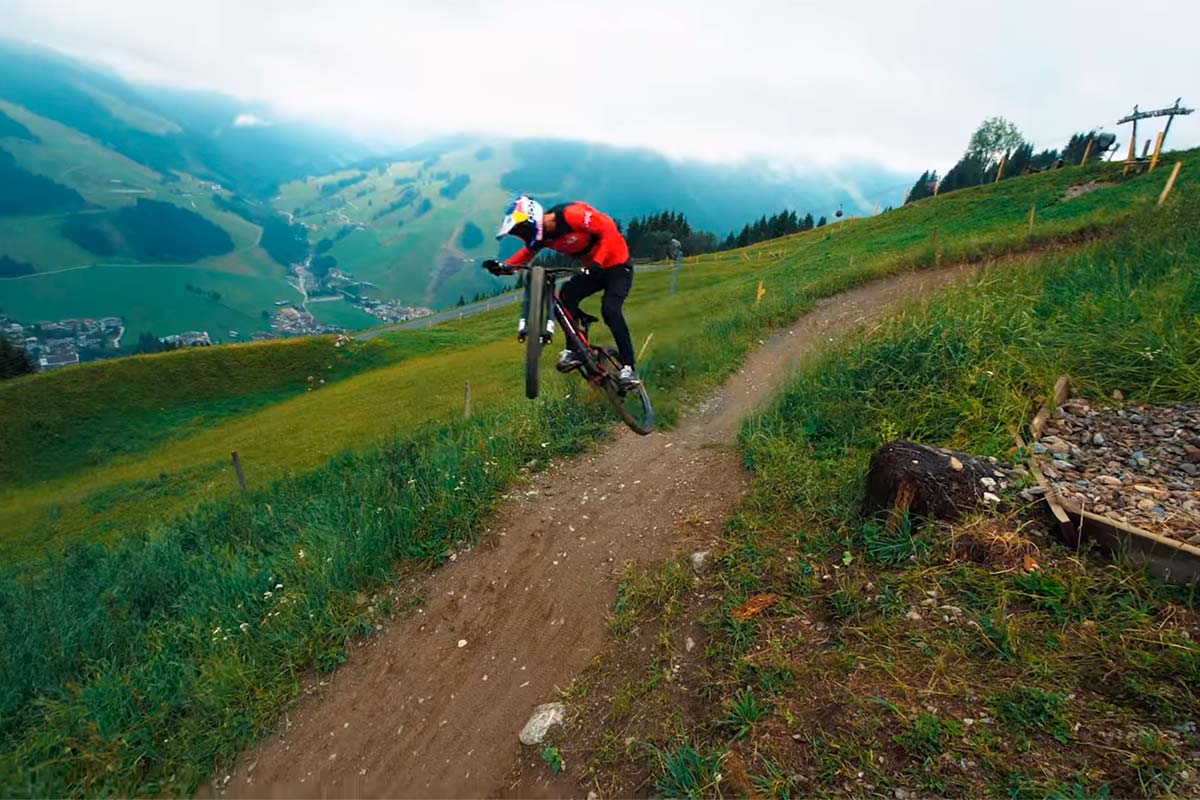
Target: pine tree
14,360
923,187
822,222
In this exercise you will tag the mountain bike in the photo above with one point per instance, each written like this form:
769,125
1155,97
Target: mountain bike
600,365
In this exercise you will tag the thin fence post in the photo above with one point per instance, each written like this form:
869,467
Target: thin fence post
1000,172
467,401
1032,214
1170,183
237,468
645,344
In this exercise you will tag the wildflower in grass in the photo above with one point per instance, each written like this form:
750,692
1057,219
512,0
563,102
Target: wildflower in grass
245,626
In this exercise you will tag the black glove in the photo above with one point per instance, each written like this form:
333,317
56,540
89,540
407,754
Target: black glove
496,268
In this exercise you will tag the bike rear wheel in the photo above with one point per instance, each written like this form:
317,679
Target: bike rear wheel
632,404
535,324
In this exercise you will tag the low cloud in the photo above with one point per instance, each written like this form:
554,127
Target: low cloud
802,83
248,120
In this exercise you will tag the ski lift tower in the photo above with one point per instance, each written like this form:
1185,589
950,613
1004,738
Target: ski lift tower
1169,113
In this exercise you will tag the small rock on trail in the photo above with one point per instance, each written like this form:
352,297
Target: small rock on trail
544,717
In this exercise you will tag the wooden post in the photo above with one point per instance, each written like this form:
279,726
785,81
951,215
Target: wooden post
1000,172
467,401
1132,151
237,468
1170,183
936,185
1146,150
1157,150
1032,214
645,344
1087,151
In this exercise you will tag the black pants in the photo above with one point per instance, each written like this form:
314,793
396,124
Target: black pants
615,282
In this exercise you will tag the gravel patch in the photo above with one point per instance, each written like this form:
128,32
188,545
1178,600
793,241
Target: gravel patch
1137,464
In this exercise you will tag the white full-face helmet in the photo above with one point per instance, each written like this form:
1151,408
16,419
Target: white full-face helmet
522,219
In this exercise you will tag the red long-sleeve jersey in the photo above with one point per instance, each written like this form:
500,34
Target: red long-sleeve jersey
583,232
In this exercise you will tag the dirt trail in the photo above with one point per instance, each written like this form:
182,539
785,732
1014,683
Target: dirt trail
417,713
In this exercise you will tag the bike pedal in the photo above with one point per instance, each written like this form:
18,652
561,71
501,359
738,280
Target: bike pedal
546,338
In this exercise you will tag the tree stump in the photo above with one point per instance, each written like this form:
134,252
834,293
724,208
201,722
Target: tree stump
930,482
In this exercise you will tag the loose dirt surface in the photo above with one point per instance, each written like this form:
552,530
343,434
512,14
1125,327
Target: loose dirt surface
431,706
1084,188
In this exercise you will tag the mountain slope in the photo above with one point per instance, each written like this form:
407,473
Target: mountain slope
399,222
409,223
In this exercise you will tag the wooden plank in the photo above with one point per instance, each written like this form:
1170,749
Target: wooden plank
1170,183
1166,558
1062,390
1087,151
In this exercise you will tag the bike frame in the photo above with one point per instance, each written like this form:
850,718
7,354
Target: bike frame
595,370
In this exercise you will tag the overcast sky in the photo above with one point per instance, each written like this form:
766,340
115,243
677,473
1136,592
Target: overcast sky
903,83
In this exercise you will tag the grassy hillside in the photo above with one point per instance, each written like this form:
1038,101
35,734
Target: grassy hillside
414,207
296,436
931,661
120,273
412,213
57,424
140,663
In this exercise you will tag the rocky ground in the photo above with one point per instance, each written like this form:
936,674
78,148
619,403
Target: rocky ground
1136,464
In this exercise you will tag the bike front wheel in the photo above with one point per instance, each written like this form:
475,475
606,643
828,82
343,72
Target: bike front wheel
535,323
632,404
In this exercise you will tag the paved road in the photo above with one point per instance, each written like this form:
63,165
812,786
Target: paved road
444,316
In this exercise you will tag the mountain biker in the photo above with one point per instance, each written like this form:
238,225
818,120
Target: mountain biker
578,230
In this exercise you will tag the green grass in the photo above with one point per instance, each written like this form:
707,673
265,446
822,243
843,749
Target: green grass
132,669
341,312
912,666
125,667
60,423
149,298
